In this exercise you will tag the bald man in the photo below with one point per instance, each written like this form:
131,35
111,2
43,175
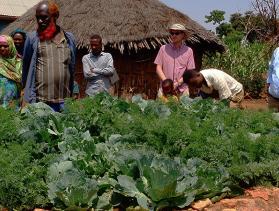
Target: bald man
48,60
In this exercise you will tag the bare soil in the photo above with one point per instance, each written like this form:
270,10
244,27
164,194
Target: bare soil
255,104
254,199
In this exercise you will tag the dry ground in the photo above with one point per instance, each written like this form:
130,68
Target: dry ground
255,104
255,199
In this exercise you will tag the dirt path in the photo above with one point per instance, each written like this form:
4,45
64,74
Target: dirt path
255,199
255,104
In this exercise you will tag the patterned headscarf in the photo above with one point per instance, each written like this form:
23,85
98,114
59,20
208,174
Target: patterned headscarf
10,66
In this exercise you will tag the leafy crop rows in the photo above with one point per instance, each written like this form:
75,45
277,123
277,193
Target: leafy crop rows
105,152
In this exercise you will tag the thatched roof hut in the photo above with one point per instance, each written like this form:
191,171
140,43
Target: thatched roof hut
10,10
130,29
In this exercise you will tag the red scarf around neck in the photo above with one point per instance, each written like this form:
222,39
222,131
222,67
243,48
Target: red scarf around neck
49,32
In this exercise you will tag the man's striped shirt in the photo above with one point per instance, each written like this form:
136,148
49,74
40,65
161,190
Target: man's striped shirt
52,70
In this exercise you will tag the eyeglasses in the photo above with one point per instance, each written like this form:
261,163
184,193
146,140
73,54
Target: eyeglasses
175,33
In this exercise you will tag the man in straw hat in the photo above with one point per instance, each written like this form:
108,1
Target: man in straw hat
174,58
48,60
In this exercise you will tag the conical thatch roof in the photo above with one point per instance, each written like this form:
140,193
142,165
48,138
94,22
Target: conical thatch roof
123,24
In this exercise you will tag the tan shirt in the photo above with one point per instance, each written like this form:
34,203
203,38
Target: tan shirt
226,85
52,69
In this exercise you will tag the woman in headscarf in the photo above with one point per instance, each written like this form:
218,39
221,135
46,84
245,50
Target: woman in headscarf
19,37
10,73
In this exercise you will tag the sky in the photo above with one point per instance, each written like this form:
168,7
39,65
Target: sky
197,9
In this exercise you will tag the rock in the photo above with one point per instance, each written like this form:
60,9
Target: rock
229,203
200,205
256,199
261,193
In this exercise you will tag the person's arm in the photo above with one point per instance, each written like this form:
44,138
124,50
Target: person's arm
26,60
160,73
190,65
159,64
269,79
72,44
178,83
87,71
273,65
108,70
191,61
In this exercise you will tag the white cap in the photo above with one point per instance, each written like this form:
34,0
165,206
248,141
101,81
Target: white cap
177,26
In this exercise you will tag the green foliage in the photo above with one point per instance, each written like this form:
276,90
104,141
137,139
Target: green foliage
234,37
250,26
247,64
162,182
224,29
236,20
264,173
216,17
22,175
9,125
104,152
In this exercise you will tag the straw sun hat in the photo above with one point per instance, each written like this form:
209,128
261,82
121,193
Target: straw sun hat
177,26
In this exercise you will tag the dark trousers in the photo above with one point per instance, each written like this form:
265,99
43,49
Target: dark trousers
58,107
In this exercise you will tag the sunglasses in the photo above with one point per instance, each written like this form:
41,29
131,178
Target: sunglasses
175,33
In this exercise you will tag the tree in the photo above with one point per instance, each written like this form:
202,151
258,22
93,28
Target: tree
260,24
249,25
236,19
224,29
268,11
216,17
